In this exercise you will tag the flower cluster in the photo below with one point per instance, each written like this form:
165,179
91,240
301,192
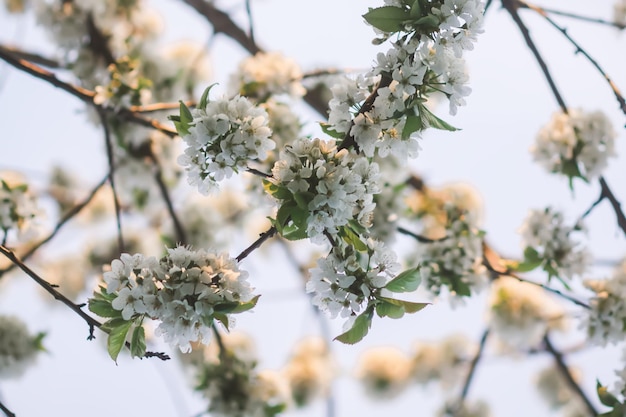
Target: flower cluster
266,74
576,144
465,409
322,188
557,393
444,361
18,208
221,137
346,280
454,261
18,349
606,318
548,243
619,12
186,291
228,378
309,371
384,371
520,313
426,58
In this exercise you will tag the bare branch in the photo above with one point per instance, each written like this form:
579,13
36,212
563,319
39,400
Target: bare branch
257,243
6,411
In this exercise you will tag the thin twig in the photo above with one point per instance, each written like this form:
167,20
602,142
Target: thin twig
6,411
617,207
419,238
258,173
222,23
473,367
257,243
250,21
92,322
181,235
111,159
618,95
32,57
580,17
155,107
567,375
511,6
81,93
64,219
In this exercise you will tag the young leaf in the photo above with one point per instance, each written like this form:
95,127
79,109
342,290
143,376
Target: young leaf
387,309
387,18
413,124
241,307
222,318
408,306
330,132
405,281
352,239
359,329
429,119
205,96
605,396
138,342
117,336
103,308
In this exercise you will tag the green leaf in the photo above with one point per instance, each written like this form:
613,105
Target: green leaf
429,22
293,232
359,329
138,342
413,124
352,239
387,18
405,281
430,120
222,318
330,132
387,309
605,396
182,122
303,199
205,96
283,214
117,336
241,307
103,308
408,306
416,9
276,191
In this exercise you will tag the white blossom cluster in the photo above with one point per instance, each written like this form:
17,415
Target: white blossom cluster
309,371
229,379
266,74
181,290
19,210
456,260
619,12
18,349
345,280
444,361
222,138
545,232
575,144
521,313
342,183
607,317
465,409
556,392
619,388
384,371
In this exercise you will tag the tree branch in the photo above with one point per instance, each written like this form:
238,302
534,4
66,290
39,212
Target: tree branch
578,16
569,379
511,6
64,219
617,208
6,411
257,243
579,49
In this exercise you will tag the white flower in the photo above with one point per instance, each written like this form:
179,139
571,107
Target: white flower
384,371
19,211
268,73
575,144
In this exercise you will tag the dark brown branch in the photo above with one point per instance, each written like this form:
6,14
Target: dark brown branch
472,369
419,238
567,375
222,23
580,17
6,411
250,21
579,49
81,93
617,208
64,219
111,160
181,235
51,289
511,6
31,57
150,108
258,173
257,243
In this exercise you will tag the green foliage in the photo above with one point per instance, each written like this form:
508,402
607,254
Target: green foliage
609,400
183,121
405,281
117,329
204,99
138,342
100,304
387,18
359,329
330,132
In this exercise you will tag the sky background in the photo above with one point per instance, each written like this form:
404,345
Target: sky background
509,103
